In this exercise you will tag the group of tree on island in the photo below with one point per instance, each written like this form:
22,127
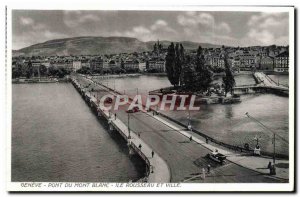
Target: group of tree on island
190,73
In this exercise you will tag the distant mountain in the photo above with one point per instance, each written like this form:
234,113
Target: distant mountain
96,45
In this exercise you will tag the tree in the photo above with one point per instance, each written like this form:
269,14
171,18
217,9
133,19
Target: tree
174,61
228,79
154,47
29,70
43,70
62,72
52,71
177,65
188,74
170,64
203,72
16,73
122,64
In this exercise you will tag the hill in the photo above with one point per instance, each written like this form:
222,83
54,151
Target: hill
96,45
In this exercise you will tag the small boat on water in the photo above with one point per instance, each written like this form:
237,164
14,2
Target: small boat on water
216,156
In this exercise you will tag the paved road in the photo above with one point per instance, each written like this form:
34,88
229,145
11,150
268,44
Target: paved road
184,158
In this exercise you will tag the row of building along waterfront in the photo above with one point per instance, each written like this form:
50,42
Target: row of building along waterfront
272,58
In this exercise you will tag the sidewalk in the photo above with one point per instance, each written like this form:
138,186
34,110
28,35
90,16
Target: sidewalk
258,164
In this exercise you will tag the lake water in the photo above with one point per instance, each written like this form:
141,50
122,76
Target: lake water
227,123
56,137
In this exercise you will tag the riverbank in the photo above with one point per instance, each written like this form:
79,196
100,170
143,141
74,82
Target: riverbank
40,80
115,75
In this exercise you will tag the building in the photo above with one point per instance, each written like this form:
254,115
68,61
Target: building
96,64
142,66
106,64
247,62
85,63
157,65
131,65
217,62
76,65
266,63
281,63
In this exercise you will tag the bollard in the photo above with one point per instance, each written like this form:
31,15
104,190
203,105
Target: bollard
203,173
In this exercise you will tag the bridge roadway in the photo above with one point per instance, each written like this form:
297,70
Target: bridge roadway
185,159
264,81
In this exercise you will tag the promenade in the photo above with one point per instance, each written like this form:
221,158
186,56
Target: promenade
185,159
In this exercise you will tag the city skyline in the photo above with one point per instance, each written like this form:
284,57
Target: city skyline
222,28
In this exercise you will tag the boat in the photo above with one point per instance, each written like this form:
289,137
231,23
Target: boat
216,156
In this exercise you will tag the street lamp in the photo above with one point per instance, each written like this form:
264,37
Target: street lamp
253,119
189,120
128,126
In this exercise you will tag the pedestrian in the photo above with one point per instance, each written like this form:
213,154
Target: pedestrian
208,169
191,138
140,146
115,116
269,165
152,153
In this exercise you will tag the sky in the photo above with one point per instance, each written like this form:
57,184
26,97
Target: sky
224,28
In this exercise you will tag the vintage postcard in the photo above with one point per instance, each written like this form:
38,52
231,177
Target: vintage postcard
152,99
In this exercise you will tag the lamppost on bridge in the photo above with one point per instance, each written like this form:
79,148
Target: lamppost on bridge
128,118
189,120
